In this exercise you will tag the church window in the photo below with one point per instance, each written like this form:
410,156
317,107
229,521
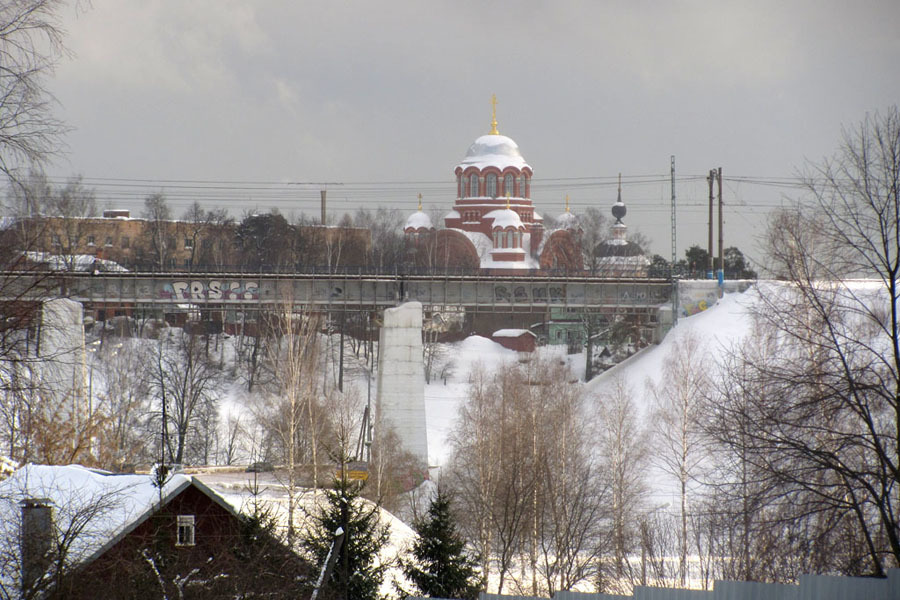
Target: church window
495,239
492,185
459,186
522,187
473,185
508,185
510,239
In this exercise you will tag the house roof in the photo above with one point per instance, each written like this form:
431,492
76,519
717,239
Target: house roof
103,507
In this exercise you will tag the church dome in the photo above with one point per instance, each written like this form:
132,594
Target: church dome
505,217
418,220
567,221
494,150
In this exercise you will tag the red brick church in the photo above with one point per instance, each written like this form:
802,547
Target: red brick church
493,225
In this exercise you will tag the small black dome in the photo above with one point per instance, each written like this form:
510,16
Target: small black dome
618,211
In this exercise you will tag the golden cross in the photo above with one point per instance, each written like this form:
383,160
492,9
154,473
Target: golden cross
494,115
567,203
420,202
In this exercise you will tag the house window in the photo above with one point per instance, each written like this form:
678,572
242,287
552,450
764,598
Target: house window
90,240
185,534
170,243
55,240
492,185
109,240
508,185
473,185
125,241
188,243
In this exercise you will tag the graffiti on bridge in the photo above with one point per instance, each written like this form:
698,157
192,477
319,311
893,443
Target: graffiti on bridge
212,290
538,294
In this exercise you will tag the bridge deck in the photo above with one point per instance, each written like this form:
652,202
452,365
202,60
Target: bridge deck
343,291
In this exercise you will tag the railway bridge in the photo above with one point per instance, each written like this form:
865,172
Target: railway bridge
500,300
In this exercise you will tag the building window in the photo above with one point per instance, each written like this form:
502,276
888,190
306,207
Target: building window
188,243
492,185
508,185
522,187
125,241
473,185
495,239
185,535
510,239
90,240
55,240
108,240
170,243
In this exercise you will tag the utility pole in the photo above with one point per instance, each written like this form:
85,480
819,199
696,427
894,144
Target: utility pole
721,237
674,249
709,269
322,194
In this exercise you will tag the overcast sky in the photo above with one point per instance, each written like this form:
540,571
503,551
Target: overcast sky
251,105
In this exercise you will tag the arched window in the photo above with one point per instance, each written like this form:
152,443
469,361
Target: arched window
473,185
508,185
510,239
495,239
460,192
522,187
492,185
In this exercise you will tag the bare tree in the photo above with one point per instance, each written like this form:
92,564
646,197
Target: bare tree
624,446
185,382
30,45
157,235
71,205
123,399
678,415
825,398
523,471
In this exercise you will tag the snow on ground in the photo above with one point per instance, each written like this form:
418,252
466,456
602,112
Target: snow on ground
443,400
716,329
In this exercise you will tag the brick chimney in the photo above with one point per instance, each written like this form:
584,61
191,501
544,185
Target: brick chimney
36,540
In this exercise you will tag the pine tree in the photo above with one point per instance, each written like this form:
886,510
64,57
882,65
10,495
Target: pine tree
441,568
357,573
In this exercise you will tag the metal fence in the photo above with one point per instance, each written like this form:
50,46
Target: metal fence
810,587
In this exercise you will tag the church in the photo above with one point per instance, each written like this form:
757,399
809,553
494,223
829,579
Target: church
494,227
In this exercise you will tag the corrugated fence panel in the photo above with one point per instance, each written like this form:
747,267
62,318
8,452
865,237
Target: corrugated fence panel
751,590
829,587
588,596
653,593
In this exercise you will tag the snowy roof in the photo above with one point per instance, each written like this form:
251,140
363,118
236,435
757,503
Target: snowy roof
452,214
106,506
567,220
504,217
512,333
79,262
418,220
494,151
484,246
